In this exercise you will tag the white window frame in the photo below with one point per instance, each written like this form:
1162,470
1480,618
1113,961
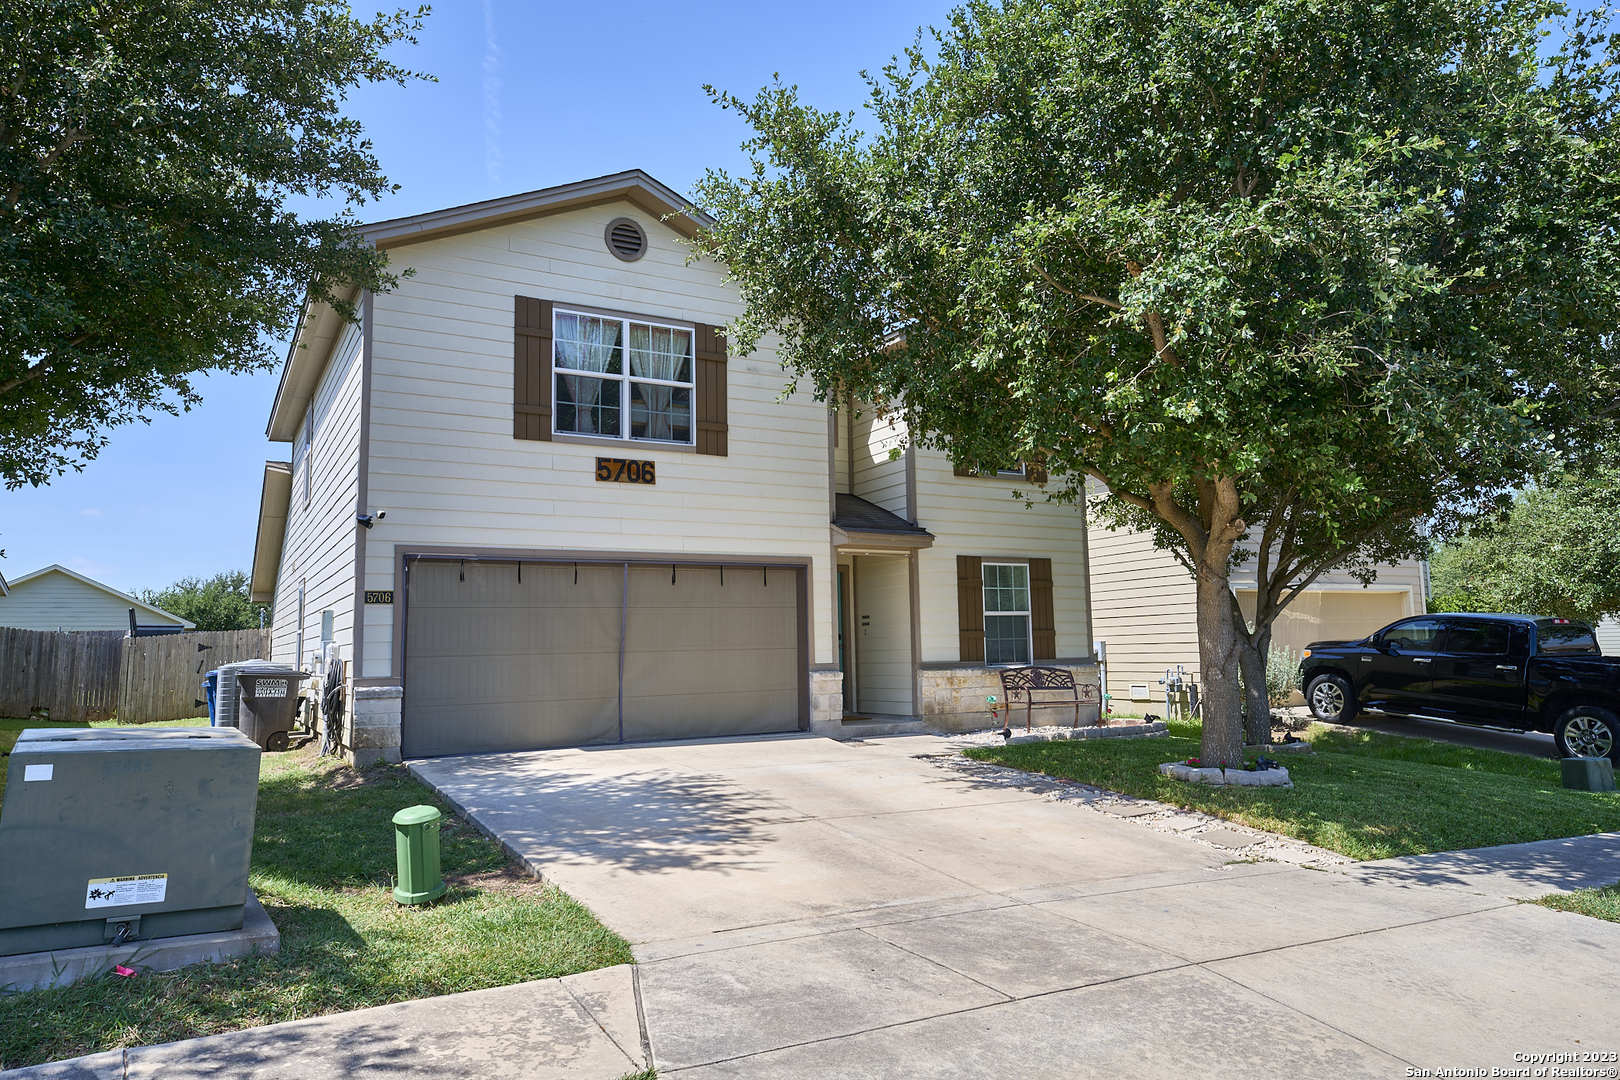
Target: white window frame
624,378
1028,612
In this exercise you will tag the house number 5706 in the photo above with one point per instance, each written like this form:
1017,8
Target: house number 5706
625,471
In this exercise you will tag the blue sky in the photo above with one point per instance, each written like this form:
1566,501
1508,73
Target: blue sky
529,95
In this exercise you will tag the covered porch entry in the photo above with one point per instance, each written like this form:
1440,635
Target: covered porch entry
879,640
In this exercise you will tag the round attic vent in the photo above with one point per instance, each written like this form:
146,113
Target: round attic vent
625,239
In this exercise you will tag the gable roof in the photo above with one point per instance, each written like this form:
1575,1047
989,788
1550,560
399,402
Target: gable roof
319,326
141,605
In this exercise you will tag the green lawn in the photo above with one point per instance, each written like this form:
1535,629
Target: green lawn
323,863
1601,903
1360,793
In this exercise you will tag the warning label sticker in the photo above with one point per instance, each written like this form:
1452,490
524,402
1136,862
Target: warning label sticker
132,889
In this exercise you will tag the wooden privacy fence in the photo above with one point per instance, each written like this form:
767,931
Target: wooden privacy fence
159,677
74,675
84,675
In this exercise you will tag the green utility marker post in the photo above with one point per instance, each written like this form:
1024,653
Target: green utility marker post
1588,773
416,843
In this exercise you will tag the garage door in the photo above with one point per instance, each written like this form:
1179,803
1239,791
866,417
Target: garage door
572,656
1330,615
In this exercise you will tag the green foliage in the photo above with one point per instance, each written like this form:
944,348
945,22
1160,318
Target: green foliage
148,152
1600,903
222,602
1328,276
1282,675
1557,552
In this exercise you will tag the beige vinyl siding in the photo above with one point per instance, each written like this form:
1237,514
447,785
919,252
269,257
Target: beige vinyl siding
1145,608
843,455
55,601
445,466
318,548
1608,635
981,516
878,461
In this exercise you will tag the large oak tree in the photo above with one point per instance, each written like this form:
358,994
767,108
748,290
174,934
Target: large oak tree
149,153
1293,282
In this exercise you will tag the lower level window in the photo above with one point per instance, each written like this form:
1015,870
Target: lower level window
1006,613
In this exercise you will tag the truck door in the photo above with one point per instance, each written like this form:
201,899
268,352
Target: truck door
1479,670
1400,670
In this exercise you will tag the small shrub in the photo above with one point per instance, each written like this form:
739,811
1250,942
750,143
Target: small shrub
1282,676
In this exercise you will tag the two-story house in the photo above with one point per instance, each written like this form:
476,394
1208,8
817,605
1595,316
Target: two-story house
533,501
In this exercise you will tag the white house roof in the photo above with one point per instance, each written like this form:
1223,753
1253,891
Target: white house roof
139,605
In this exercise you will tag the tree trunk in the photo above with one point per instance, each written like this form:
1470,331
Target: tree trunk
1218,651
1253,656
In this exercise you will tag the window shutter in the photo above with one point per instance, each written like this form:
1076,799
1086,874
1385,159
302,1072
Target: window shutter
960,470
1035,471
1042,615
711,390
531,368
970,607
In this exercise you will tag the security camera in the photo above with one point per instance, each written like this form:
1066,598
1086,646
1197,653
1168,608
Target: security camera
368,520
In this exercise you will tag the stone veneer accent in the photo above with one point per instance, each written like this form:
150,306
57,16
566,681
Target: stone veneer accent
953,696
373,723
826,702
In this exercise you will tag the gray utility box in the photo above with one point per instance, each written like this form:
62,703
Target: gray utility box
125,833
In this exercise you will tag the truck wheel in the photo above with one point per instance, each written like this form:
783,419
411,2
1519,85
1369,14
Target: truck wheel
1587,731
1331,699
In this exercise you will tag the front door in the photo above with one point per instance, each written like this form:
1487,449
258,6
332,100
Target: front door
1401,671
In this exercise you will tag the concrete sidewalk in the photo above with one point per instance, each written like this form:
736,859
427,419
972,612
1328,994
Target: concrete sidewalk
584,1026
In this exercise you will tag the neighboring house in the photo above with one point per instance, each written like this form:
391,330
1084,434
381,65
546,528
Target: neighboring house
1608,635
1144,607
57,598
532,501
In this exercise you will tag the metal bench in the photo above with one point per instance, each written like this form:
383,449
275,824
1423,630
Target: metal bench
1058,686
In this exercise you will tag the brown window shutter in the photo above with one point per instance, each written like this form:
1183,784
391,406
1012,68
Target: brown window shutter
711,390
1035,471
531,368
970,607
1042,615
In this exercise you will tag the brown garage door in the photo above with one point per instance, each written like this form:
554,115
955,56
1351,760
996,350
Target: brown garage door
571,656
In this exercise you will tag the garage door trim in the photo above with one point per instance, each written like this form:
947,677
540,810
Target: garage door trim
801,565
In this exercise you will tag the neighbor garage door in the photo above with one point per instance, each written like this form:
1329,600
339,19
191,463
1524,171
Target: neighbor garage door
1332,615
498,658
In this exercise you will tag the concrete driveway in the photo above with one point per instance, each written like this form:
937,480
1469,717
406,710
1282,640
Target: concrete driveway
803,907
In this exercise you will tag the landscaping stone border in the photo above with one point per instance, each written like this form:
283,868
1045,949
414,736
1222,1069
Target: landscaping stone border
1177,770
1094,731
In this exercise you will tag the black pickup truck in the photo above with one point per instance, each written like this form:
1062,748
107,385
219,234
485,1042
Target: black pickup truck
1512,671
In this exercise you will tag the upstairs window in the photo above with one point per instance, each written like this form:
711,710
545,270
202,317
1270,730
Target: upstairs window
620,378
1007,637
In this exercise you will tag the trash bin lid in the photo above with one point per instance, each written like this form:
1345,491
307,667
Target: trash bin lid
417,815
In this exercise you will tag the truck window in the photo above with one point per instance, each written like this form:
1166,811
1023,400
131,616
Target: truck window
1567,639
1419,636
1479,638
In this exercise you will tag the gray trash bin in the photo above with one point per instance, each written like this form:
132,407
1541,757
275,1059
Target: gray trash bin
268,704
